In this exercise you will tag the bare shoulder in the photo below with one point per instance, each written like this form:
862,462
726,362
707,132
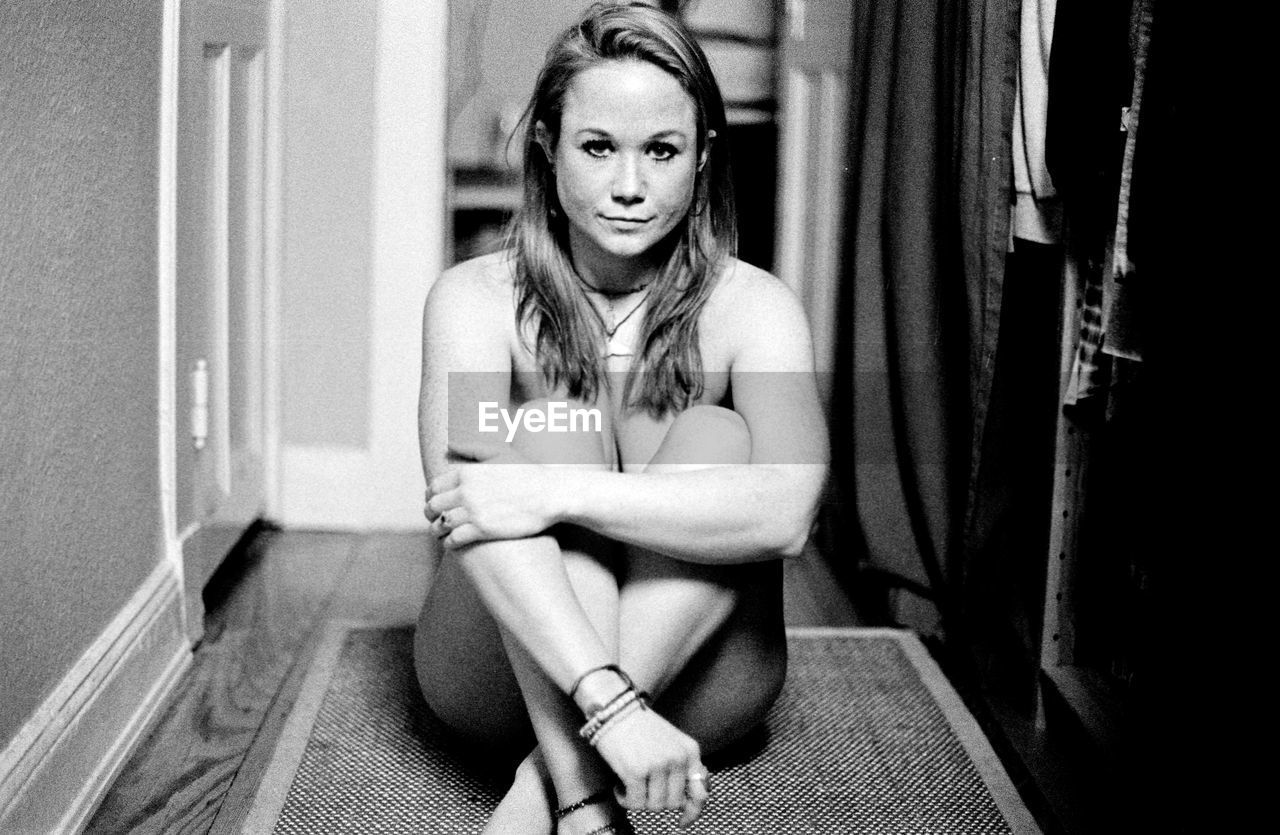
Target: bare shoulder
476,287
469,320
752,298
744,289
758,318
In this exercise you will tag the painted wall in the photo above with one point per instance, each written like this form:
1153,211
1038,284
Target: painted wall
329,123
495,50
79,504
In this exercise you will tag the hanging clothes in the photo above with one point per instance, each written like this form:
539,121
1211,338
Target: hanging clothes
1090,85
1121,305
1037,212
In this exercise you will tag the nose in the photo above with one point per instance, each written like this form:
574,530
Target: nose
628,181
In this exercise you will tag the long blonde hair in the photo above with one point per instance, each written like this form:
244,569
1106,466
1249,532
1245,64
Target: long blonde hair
550,299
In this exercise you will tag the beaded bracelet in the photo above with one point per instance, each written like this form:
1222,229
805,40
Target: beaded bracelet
624,703
612,722
607,712
591,799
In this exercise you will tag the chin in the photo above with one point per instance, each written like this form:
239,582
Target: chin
630,248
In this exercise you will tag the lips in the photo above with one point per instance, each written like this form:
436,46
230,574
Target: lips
628,220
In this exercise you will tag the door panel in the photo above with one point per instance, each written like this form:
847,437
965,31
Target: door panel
814,103
219,287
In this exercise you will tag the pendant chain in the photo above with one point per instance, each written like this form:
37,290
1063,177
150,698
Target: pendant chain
610,321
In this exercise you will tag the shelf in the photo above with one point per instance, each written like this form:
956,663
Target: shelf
491,198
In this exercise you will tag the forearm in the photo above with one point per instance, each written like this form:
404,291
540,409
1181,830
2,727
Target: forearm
728,514
525,587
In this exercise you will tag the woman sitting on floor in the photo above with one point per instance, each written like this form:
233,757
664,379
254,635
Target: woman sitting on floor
629,577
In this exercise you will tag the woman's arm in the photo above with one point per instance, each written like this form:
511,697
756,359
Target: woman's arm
735,513
467,358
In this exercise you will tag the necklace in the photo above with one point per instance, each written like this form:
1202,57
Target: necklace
610,319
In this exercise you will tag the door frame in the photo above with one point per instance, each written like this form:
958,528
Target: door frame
170,418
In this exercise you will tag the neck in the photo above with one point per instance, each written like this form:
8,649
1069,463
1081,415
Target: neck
611,275
613,294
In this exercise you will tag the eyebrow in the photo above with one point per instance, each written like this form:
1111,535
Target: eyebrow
662,134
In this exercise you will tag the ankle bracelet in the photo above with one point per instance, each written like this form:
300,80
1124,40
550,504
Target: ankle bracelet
590,800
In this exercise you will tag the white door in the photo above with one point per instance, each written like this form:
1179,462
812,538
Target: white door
220,249
372,480
815,53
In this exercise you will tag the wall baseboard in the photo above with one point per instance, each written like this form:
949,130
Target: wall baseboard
61,763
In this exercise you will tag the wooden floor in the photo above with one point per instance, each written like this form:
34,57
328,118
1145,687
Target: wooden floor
198,767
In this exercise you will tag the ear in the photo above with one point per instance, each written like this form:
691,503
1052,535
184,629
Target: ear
543,138
706,150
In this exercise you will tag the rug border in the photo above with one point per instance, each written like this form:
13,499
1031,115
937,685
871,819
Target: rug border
269,799
963,724
291,744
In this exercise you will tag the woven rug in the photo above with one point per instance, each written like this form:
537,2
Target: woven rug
867,737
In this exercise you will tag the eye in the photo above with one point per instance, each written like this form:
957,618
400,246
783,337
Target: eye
662,151
598,148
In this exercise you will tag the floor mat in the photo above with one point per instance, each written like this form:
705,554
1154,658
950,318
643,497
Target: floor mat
867,737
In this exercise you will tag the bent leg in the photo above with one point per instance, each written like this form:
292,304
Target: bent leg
461,661
707,640
452,613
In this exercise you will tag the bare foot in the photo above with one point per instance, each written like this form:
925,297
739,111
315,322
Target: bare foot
526,807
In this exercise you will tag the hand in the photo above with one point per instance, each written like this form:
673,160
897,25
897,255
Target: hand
659,765
505,497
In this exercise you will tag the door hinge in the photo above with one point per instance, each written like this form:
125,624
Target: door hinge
795,16
200,404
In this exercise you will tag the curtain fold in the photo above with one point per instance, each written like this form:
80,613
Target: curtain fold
930,179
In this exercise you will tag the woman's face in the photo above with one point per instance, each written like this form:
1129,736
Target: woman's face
626,162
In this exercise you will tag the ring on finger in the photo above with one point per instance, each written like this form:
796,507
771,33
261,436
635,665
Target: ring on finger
700,777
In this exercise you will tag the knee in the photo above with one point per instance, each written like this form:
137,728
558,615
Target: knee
562,432
706,436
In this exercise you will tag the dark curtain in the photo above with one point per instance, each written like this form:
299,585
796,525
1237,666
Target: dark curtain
929,188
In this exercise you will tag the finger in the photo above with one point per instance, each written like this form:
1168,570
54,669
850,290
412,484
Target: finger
448,521
445,481
675,788
441,502
697,790
462,536
656,794
632,794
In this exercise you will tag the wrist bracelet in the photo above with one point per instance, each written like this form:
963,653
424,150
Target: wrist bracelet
625,703
607,712
612,722
614,668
